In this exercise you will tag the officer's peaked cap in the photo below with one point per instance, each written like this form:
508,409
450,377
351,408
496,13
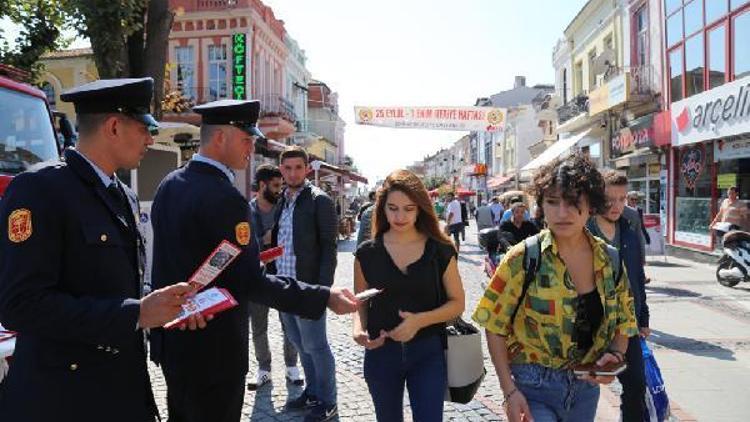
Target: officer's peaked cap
239,113
129,96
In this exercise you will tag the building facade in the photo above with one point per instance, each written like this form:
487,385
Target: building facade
233,49
707,80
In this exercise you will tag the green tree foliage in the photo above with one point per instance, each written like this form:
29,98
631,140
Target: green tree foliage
41,23
128,37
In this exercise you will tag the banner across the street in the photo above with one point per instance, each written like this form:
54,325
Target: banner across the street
487,119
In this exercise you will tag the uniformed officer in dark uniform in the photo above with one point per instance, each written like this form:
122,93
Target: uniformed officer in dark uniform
195,208
70,271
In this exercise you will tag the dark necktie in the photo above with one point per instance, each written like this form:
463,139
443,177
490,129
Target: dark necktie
121,202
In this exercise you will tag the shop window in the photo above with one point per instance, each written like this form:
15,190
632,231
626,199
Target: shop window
717,57
674,29
736,4
675,74
734,172
741,50
693,202
716,9
694,65
693,17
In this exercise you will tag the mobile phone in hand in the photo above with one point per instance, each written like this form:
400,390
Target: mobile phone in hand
367,294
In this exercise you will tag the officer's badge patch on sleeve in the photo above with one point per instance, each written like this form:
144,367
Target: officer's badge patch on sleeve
19,225
242,232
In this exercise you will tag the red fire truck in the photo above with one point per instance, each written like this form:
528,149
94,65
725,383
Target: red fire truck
27,137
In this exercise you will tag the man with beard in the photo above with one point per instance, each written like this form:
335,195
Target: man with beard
613,226
306,228
263,207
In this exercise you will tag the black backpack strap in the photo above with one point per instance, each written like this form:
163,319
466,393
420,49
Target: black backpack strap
532,260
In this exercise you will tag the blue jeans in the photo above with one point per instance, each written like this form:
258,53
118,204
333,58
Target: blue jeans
310,338
420,366
556,395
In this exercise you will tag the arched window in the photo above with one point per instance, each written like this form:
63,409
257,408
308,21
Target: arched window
49,91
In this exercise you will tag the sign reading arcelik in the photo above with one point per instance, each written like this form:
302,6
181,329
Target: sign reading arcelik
722,111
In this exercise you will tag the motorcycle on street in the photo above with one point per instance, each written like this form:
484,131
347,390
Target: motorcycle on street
734,264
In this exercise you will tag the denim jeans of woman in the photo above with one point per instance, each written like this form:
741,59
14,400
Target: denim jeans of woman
420,366
556,395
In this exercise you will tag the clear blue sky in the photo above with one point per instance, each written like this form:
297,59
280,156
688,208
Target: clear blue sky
421,52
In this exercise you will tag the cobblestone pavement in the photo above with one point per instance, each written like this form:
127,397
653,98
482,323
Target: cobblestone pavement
354,400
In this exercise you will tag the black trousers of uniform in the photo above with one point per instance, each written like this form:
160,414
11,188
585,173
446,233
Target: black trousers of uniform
633,382
194,400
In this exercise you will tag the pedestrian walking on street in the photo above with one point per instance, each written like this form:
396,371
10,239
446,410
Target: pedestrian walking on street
402,327
575,309
71,270
464,219
306,228
263,208
195,209
484,217
497,210
518,227
453,219
612,227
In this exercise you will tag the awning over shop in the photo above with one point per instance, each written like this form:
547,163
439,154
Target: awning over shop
555,150
326,169
497,181
637,157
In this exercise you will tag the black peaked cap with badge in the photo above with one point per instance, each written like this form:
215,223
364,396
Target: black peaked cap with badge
129,96
242,114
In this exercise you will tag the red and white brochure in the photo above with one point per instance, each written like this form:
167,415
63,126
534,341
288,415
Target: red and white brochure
271,254
6,335
219,259
208,302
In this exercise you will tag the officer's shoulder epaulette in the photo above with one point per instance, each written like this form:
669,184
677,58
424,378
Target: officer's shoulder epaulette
44,166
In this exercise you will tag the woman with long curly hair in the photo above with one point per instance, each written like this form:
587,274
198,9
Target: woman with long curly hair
577,309
414,265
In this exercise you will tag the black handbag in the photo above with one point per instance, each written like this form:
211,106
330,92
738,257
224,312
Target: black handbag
464,355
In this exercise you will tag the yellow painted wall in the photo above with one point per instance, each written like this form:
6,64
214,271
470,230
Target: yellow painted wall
66,73
615,30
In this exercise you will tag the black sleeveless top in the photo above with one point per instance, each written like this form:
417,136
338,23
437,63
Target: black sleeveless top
415,291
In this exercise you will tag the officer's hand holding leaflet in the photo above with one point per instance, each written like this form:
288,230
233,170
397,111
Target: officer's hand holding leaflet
163,305
342,301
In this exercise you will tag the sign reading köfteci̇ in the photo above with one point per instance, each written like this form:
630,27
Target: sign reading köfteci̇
487,119
719,112
239,50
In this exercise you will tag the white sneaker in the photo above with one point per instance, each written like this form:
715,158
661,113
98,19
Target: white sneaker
263,378
293,375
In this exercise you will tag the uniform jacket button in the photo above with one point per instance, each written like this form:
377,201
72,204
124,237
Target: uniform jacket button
73,366
103,238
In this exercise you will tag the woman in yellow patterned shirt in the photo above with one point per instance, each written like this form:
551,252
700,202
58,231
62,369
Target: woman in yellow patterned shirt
574,311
